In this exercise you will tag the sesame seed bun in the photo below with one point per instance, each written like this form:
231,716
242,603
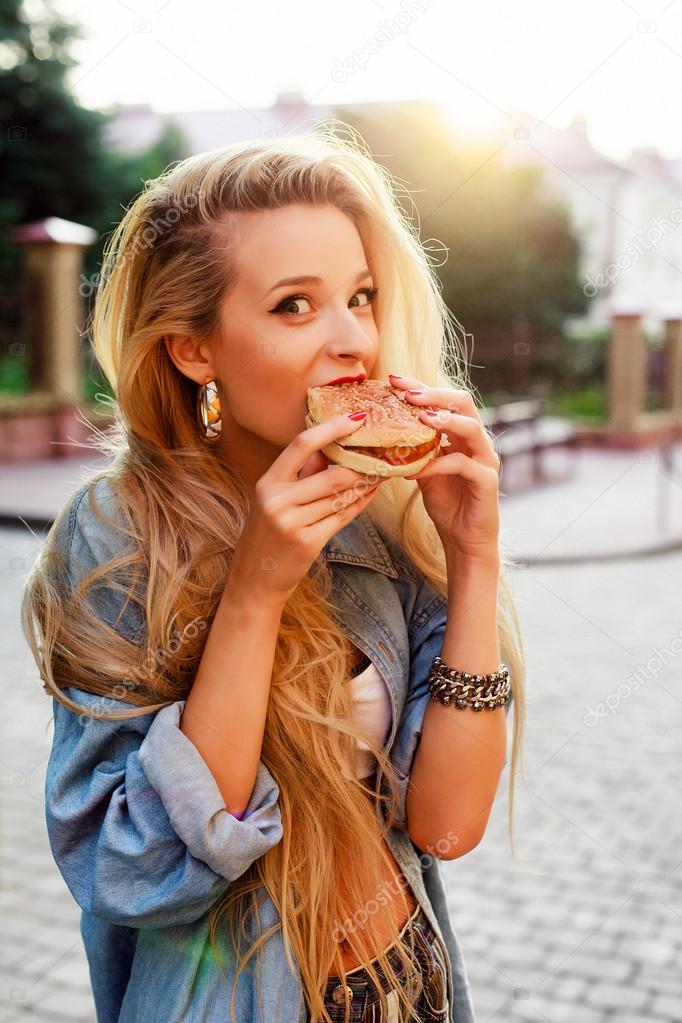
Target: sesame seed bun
392,441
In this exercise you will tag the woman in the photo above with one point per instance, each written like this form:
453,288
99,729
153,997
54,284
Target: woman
250,790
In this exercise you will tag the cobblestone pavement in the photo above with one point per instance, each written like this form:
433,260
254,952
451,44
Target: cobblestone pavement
585,925
43,969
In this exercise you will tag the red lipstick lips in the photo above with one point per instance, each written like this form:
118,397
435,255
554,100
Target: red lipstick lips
345,380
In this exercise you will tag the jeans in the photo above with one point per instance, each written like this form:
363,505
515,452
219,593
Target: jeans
432,1004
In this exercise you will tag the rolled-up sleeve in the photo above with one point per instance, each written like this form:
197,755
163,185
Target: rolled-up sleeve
195,806
136,822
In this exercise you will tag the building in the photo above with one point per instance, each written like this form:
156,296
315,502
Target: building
627,214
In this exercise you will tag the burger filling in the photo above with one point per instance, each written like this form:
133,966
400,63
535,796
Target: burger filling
400,453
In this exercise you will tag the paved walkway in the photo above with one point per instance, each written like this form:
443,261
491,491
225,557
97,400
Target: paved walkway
612,504
584,926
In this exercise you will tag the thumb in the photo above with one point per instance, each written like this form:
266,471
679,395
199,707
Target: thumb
316,463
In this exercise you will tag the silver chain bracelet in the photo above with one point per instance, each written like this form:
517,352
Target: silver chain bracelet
448,685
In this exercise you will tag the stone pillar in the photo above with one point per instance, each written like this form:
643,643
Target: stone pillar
52,260
627,370
673,364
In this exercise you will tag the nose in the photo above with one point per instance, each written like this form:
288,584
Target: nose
351,340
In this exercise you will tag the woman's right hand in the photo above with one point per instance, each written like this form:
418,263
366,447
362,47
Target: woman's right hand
292,516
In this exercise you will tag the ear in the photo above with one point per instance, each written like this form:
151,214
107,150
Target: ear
192,357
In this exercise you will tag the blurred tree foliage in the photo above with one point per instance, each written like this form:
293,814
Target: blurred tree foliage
505,251
54,160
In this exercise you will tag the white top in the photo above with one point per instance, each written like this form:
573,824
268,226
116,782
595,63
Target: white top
372,713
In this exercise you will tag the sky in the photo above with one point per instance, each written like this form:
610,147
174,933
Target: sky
617,64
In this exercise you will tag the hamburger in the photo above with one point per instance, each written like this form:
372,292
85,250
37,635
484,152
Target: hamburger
392,441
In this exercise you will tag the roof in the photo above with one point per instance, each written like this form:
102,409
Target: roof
54,229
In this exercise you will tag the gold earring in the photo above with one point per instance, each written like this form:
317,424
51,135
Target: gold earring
208,411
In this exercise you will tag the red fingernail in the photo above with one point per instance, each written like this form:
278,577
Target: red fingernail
415,392
396,376
357,415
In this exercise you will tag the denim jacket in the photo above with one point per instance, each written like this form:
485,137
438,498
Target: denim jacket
141,835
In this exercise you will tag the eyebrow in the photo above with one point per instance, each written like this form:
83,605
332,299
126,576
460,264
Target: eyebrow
312,280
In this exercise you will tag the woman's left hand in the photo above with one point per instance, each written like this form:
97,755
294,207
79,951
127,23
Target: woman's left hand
460,485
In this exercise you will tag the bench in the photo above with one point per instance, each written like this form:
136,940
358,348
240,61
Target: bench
522,428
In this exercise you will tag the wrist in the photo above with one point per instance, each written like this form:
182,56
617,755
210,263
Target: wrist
476,567
250,600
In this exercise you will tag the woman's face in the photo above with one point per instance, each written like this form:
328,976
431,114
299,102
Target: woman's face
276,340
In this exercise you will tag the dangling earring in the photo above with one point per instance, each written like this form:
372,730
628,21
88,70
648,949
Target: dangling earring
208,411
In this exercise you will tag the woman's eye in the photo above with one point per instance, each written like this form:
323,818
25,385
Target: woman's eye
286,303
369,293
292,299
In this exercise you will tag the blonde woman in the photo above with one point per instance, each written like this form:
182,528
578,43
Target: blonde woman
250,793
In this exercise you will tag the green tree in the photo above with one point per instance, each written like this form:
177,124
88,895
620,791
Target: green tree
54,159
505,251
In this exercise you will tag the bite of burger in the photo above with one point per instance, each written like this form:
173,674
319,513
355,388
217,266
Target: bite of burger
392,440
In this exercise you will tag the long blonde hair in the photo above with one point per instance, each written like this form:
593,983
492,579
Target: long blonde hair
166,267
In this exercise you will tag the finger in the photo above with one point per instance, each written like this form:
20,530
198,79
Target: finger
295,455
321,529
331,504
466,429
452,398
335,481
459,464
316,463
